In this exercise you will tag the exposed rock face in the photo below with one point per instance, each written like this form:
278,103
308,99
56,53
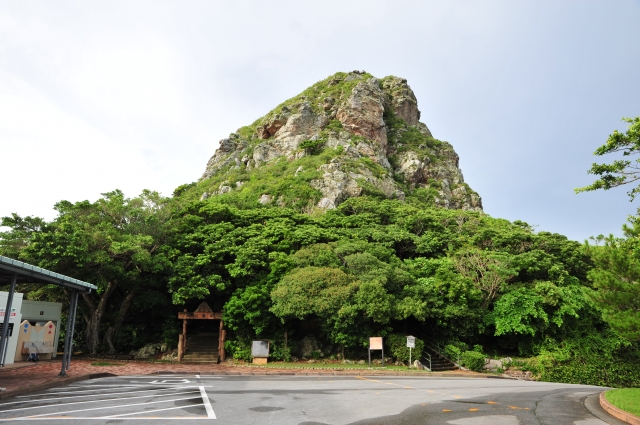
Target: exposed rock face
402,100
363,111
378,145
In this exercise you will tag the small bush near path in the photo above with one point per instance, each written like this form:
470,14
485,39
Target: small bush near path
473,360
627,399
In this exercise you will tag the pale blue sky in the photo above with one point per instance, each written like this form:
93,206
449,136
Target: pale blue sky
134,94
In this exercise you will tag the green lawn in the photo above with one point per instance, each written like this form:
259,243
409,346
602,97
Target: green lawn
627,399
335,365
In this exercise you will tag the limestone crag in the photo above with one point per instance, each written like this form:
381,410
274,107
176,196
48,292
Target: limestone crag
365,132
362,113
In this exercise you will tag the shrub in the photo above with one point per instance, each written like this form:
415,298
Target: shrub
239,349
473,360
454,351
397,344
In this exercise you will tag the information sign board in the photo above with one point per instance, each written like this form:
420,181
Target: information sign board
375,343
260,348
411,342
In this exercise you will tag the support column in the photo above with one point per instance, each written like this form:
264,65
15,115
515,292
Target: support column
184,333
73,327
67,337
4,340
221,339
180,343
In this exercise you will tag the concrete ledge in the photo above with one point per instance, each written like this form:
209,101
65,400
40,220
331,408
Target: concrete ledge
325,372
61,382
618,413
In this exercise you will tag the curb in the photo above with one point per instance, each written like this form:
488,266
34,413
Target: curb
316,372
618,413
53,384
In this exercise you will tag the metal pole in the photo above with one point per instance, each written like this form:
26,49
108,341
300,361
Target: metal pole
65,355
409,356
369,357
73,327
4,341
383,355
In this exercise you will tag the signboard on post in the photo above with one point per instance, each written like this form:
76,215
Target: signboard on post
411,343
375,343
260,351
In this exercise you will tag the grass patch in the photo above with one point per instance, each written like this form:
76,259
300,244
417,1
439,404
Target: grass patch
337,365
106,364
627,399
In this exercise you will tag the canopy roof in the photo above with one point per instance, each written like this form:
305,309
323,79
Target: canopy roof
32,274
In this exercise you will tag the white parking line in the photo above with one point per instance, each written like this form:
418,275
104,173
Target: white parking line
145,418
91,401
150,411
91,395
111,407
207,404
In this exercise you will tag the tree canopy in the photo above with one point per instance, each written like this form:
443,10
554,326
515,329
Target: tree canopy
620,171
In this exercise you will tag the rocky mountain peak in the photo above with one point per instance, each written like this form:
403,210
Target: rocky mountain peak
348,135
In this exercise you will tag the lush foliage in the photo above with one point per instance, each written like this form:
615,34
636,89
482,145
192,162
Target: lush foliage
473,360
620,171
115,243
616,281
594,358
397,344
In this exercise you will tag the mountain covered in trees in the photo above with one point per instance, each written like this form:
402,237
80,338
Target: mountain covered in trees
335,217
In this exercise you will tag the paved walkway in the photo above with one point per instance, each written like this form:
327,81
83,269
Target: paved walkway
34,377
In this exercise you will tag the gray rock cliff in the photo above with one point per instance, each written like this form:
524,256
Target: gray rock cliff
367,134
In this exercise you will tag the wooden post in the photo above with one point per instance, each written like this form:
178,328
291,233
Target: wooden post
184,334
224,338
180,349
221,342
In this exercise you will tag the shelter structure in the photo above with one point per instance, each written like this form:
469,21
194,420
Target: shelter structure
13,272
203,312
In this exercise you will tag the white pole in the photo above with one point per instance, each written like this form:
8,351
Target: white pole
409,356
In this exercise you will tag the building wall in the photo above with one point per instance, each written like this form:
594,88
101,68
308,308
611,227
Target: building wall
15,308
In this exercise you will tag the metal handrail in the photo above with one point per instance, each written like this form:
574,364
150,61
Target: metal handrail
439,349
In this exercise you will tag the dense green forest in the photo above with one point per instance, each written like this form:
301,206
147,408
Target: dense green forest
368,267
371,266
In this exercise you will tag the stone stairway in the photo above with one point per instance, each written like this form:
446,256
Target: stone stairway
202,348
438,362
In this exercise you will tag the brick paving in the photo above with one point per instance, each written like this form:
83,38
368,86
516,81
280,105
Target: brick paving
21,380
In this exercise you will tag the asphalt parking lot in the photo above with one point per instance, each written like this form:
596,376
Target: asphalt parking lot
305,400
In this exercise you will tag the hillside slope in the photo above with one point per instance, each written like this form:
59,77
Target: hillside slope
349,135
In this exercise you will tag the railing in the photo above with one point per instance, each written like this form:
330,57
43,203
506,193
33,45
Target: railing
430,368
440,350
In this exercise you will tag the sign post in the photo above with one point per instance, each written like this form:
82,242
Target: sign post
260,351
411,343
375,343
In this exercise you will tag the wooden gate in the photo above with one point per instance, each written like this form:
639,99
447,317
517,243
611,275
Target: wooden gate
203,312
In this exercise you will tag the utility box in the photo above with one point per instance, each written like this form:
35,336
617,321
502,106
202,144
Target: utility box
14,321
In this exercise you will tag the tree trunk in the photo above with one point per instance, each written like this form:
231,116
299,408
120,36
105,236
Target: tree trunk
93,329
112,332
